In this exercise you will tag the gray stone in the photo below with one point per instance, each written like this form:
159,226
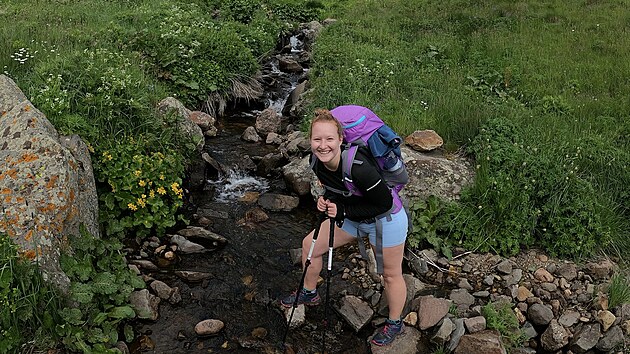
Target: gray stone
278,202
145,304
456,335
505,267
484,342
209,327
46,183
406,343
539,314
430,311
611,339
586,338
443,333
475,324
355,311
554,337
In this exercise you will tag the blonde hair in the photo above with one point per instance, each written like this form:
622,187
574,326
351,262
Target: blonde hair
325,116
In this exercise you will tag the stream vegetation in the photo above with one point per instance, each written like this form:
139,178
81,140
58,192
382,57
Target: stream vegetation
535,92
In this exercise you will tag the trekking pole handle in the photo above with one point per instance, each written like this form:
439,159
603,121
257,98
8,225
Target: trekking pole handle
331,242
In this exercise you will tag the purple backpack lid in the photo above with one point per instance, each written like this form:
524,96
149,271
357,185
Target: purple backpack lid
358,122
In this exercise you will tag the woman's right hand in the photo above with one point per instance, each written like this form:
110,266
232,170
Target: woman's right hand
322,204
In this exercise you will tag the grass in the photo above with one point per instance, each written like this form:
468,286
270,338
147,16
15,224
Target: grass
552,68
618,290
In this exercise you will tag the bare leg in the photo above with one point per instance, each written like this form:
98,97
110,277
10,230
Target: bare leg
320,248
395,287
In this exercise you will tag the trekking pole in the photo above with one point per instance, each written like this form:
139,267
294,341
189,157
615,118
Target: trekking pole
331,244
307,263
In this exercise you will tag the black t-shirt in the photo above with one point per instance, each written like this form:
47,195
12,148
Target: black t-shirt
376,197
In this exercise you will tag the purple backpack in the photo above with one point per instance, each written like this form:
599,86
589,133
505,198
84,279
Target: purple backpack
364,129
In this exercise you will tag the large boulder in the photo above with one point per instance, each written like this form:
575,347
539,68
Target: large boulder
46,183
186,125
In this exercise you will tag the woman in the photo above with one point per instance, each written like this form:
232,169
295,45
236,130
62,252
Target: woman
352,213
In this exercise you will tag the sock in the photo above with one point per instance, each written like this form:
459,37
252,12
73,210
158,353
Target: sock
310,292
397,322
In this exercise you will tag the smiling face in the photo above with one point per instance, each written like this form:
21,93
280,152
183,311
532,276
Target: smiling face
326,143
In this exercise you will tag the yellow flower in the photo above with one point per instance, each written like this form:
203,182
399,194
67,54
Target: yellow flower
132,206
142,183
161,190
174,186
144,196
161,176
137,173
151,193
141,202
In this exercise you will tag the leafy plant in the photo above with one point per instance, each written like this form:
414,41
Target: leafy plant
499,316
28,305
100,287
424,216
141,189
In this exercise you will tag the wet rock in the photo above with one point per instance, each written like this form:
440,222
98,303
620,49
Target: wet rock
484,342
278,202
298,176
268,121
256,215
185,246
193,276
202,236
299,315
205,122
145,304
424,140
162,290
209,327
355,311
250,135
269,163
144,264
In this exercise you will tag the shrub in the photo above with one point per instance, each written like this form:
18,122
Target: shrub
141,188
101,283
95,93
194,54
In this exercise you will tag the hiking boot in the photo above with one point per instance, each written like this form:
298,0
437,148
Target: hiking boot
388,333
306,298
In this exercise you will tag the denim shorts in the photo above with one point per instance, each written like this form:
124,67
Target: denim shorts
394,231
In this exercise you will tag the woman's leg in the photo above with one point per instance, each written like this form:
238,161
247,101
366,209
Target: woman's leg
395,287
320,248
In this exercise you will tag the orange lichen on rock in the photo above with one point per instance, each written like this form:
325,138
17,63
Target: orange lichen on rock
52,182
28,157
7,199
29,235
29,254
5,191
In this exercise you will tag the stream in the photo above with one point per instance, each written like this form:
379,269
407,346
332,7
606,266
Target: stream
253,270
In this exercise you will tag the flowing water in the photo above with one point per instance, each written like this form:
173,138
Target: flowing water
253,270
